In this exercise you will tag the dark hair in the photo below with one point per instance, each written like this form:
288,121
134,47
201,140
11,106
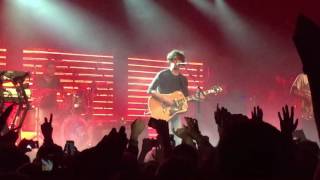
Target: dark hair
174,54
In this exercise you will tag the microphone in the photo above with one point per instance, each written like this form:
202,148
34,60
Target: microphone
181,64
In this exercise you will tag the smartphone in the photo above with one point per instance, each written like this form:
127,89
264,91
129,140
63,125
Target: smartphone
172,141
69,147
299,135
34,144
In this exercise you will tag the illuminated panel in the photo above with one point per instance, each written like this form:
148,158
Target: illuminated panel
3,59
140,74
78,73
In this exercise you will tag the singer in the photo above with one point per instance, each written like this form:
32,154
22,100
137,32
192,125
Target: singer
168,81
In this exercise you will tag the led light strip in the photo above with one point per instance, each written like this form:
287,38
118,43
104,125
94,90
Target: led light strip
162,61
86,61
148,66
64,53
140,78
147,72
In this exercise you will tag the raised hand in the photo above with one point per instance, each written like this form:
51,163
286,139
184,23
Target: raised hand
114,141
287,122
137,128
122,138
3,118
222,115
46,128
257,114
160,126
182,133
162,129
193,127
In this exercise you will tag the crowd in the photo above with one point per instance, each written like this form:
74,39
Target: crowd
249,148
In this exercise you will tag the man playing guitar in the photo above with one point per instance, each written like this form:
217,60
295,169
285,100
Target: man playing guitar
168,81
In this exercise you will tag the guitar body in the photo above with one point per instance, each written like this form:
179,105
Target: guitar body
159,110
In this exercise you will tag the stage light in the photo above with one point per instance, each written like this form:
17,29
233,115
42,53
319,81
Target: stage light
151,21
60,21
205,6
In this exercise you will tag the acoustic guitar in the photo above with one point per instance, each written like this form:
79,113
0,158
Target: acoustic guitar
160,110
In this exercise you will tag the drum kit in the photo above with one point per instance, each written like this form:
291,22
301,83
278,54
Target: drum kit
78,102
72,116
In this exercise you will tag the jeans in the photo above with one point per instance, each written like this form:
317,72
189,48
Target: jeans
175,123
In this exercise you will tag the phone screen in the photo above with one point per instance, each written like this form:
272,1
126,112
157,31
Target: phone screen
69,147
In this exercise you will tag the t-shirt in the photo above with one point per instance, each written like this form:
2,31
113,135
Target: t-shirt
47,90
53,82
165,82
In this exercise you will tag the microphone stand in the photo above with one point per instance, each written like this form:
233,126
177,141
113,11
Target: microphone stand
198,93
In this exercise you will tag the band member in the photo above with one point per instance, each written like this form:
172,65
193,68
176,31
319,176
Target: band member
168,81
47,85
301,89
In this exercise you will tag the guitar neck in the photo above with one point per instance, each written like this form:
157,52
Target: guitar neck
196,97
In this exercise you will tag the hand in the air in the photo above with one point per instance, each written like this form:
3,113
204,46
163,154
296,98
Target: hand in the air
222,116
160,126
137,128
46,128
193,126
115,142
257,114
4,116
287,123
182,133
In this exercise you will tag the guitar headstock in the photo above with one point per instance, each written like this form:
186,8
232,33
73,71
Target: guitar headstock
215,90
